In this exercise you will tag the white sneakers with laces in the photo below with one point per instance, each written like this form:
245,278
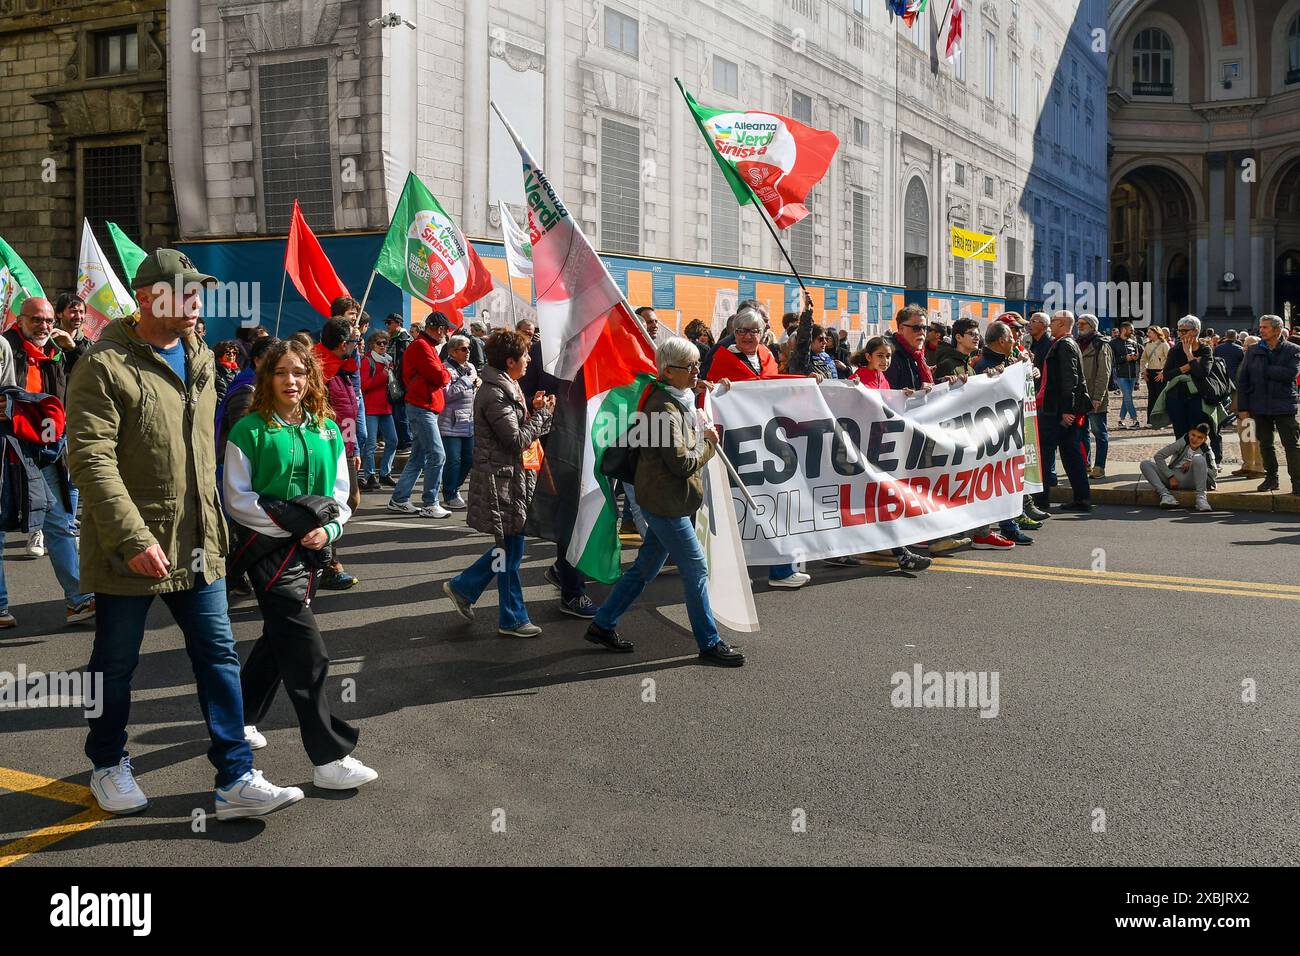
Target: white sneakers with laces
252,795
36,544
115,789
346,774
256,740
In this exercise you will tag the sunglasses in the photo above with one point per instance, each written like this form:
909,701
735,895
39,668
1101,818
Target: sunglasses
920,328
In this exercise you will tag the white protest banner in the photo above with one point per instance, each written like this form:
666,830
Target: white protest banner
836,468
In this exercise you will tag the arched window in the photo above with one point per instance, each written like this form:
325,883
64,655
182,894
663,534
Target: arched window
1153,64
1293,51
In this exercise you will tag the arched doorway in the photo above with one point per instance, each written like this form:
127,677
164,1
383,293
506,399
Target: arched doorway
1177,291
1151,237
1286,287
916,244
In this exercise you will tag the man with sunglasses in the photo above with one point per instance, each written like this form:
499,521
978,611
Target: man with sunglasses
907,368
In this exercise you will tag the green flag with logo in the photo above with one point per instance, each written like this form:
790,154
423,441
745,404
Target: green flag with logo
17,284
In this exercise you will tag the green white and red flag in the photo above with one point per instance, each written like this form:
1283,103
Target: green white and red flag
17,284
765,155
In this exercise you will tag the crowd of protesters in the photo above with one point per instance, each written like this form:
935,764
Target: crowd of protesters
206,476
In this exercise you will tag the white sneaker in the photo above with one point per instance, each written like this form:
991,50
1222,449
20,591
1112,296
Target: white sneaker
404,508
346,774
434,511
1168,501
457,504
256,741
36,544
252,795
796,580
1203,502
115,789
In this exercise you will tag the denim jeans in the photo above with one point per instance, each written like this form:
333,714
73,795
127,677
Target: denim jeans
630,507
399,422
460,456
362,432
473,581
1127,406
60,543
426,453
1096,429
666,537
374,425
201,615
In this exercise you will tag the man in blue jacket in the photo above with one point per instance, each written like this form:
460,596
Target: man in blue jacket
1267,393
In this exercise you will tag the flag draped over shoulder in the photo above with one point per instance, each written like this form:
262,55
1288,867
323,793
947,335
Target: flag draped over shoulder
765,155
426,255
105,296
519,249
310,269
17,284
128,252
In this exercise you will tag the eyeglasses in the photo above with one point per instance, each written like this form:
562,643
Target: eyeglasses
461,348
353,341
693,367
746,331
39,320
920,328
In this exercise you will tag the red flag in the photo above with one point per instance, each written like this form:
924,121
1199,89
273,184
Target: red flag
956,28
309,267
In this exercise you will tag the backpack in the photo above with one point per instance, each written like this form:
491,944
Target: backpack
396,384
1216,388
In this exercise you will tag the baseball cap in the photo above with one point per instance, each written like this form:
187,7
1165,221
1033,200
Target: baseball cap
168,265
437,320
1011,318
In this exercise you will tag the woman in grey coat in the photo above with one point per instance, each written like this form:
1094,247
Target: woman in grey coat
500,486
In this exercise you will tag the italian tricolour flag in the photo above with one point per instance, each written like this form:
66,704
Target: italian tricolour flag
17,285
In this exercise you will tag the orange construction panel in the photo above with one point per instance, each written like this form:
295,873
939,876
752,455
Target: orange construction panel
772,294
640,288
697,296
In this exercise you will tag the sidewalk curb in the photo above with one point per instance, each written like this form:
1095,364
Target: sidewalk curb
1136,492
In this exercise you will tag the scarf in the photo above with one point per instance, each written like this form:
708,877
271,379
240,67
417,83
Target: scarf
36,358
918,356
329,362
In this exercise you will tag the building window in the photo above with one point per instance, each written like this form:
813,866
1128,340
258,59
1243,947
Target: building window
988,186
1293,52
990,278
294,123
621,32
111,184
990,64
861,132
959,64
1058,109
860,8
724,220
801,107
920,32
726,76
1153,64
1038,209
959,268
803,240
959,174
861,235
116,52
1015,87
620,187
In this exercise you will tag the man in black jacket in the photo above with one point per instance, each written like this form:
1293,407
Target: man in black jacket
1063,407
1040,337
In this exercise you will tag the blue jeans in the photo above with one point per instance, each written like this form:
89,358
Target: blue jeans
74,496
1096,429
460,457
665,537
201,615
374,425
1127,406
473,581
60,543
399,422
630,507
361,420
426,453
779,572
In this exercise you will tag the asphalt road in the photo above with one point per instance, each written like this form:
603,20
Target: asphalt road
1117,694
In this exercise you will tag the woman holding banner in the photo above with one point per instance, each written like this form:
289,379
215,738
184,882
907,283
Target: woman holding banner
670,490
746,360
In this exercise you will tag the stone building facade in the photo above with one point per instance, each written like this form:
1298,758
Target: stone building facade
589,85
83,128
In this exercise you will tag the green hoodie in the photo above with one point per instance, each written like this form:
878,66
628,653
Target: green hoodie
142,453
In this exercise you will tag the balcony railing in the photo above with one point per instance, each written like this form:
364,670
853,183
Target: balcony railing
1153,89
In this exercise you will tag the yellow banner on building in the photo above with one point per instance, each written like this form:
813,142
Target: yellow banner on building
974,245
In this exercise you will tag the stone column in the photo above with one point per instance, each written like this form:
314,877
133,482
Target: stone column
1218,240
554,96
677,225
1241,245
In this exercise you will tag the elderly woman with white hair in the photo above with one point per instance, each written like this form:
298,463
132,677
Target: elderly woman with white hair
456,420
669,490
1193,359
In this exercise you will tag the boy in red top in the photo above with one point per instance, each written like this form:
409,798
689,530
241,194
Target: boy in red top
425,377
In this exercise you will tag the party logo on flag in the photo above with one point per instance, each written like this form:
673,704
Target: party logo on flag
436,259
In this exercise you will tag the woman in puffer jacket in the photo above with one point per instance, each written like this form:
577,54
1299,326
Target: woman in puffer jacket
456,420
286,485
506,424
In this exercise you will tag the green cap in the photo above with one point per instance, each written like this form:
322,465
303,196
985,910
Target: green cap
168,265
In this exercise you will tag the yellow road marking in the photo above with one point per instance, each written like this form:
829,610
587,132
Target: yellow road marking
1073,576
1124,575
37,786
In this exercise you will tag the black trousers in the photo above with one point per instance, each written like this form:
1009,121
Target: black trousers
1286,428
291,651
1069,441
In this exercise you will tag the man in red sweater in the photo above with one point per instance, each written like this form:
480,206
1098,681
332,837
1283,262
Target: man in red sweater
425,377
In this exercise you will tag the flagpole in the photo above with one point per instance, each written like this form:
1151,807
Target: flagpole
366,296
283,277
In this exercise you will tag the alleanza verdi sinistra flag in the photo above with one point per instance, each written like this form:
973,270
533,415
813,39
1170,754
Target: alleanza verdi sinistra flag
105,296
765,155
426,255
17,284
